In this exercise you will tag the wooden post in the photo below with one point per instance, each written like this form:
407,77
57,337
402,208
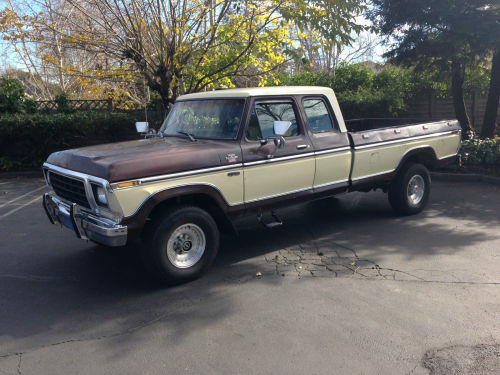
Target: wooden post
430,102
473,109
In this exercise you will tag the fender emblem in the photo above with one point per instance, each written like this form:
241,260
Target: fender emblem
231,158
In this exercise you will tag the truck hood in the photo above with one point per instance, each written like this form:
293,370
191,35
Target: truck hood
146,157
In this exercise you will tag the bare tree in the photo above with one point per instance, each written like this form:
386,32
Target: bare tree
177,46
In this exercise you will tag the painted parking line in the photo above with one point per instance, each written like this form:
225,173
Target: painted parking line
21,196
18,208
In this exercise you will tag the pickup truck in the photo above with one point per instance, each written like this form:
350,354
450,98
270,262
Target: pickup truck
225,154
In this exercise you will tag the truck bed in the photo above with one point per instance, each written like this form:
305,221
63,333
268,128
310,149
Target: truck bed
364,124
374,130
379,145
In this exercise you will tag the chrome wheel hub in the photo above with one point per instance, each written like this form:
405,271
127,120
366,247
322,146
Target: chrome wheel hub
415,190
186,245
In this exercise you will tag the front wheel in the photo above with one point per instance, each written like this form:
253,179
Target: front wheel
409,191
181,244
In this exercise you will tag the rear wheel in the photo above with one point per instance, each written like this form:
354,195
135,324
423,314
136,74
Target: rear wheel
409,191
181,244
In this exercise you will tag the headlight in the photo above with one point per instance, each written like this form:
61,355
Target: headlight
100,195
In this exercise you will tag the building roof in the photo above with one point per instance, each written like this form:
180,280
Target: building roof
258,91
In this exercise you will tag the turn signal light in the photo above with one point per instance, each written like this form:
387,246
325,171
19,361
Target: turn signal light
127,184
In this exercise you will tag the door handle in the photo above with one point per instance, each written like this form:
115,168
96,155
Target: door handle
301,147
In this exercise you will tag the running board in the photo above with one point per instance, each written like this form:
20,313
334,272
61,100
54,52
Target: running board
273,224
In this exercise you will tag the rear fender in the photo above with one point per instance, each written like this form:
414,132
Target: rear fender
423,155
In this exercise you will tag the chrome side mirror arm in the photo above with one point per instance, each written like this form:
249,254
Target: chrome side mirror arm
278,140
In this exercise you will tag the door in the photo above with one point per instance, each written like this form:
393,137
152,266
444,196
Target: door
332,148
270,170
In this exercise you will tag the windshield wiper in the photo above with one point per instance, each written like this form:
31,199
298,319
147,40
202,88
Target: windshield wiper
191,137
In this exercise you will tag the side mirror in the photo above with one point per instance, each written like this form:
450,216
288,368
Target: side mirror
281,127
142,127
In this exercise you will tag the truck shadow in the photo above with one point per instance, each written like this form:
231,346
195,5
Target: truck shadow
365,225
94,293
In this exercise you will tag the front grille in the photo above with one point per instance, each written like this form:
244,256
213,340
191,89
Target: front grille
68,188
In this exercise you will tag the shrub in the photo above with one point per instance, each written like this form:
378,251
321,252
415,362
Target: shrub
27,139
360,91
12,99
483,152
62,103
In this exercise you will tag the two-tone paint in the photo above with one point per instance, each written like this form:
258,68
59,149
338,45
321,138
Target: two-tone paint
240,176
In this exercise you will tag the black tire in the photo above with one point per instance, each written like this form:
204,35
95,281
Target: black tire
155,254
399,190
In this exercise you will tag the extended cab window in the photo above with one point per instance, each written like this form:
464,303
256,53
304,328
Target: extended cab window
264,115
213,118
317,114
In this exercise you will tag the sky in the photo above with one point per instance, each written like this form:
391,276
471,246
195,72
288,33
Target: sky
10,59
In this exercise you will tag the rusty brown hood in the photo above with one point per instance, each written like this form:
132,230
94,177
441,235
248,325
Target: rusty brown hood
146,157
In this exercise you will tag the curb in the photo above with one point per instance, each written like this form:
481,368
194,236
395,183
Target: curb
463,177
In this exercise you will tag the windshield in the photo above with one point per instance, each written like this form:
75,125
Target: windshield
214,118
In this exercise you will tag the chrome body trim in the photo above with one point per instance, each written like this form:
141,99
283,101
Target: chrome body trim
170,176
372,175
409,139
189,173
278,159
333,150
331,183
85,225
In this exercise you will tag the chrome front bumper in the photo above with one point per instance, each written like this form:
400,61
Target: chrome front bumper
85,225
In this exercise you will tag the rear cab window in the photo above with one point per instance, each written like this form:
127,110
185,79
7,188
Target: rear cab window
318,115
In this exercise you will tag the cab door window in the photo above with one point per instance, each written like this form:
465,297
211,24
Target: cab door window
264,115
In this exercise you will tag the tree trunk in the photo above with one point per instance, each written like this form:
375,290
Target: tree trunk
490,113
457,88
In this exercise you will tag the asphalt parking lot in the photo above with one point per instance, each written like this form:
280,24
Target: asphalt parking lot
346,288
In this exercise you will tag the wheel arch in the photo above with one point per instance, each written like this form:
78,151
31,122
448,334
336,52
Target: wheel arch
206,197
423,155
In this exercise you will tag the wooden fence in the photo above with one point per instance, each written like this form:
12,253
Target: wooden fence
79,105
155,112
428,106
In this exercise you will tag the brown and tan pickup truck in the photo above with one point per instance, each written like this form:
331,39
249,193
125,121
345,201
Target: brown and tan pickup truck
224,154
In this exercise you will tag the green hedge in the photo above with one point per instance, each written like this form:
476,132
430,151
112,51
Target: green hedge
360,91
481,152
27,139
